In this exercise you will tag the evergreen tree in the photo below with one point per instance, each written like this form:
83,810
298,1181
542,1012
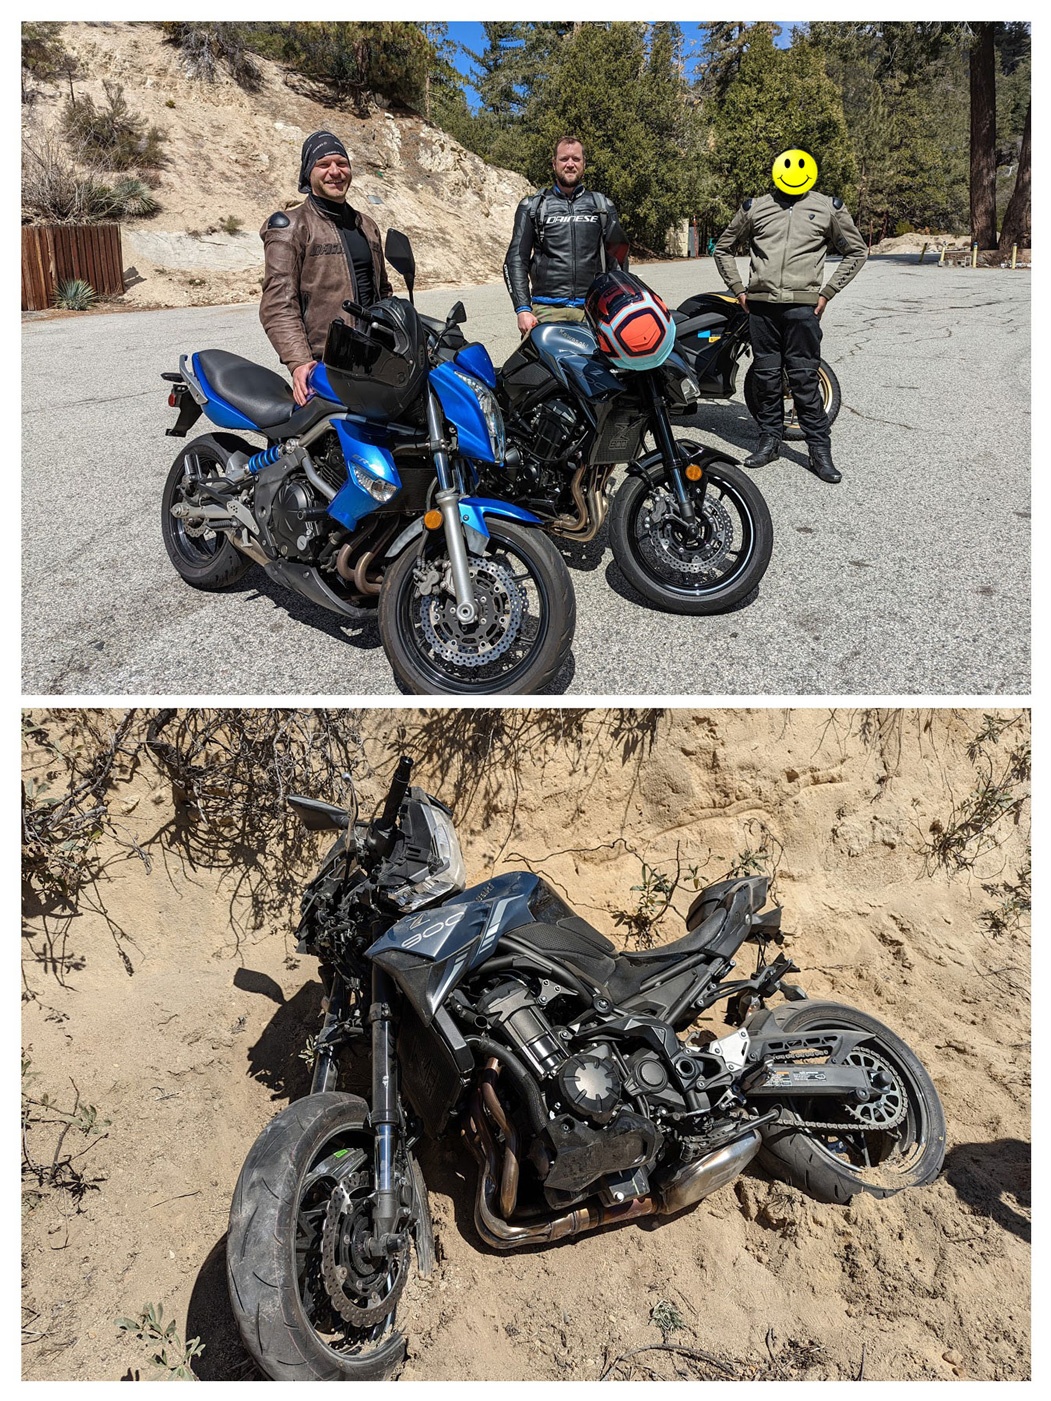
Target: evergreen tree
619,87
724,46
779,99
904,93
1017,226
983,136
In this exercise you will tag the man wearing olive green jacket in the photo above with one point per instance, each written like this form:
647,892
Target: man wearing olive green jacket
788,232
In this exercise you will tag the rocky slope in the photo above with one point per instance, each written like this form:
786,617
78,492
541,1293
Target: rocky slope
234,155
174,1002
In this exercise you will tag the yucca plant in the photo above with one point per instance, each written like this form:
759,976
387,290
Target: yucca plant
135,198
74,294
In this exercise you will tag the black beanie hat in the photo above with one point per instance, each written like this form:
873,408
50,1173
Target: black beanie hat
318,145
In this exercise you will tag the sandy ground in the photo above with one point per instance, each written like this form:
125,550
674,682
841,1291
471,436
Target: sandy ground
173,1001
235,155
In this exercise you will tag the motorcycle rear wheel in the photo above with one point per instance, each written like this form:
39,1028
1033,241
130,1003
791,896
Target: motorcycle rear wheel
206,560
274,1265
523,636
834,1165
831,397
682,578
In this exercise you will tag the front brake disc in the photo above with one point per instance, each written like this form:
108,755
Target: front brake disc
362,1291
498,599
663,526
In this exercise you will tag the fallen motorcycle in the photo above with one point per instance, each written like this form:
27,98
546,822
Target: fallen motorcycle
568,1069
359,500
689,530
712,335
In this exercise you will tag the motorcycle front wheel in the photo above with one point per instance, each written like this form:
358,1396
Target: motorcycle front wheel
524,628
203,557
831,398
310,1302
833,1151
705,571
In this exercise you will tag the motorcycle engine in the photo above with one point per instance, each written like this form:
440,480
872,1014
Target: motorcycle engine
286,517
596,1139
546,433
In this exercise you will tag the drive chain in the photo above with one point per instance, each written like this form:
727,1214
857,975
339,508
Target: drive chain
857,1111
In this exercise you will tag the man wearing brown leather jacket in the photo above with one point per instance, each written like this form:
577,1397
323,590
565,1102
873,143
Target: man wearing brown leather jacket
788,232
317,256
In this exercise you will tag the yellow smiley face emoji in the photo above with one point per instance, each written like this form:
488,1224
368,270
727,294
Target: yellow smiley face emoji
794,172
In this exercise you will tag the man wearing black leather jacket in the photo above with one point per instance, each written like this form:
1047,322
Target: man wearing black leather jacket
563,238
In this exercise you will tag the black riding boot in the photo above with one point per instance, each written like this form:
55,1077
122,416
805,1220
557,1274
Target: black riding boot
768,450
821,463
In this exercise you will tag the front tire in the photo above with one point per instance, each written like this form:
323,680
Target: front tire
831,398
282,1206
710,575
867,1151
204,558
527,614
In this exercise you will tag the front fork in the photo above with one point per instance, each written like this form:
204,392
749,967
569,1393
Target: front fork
385,1118
447,500
670,455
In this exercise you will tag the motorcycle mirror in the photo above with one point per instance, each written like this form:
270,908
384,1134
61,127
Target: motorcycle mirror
457,316
317,816
399,254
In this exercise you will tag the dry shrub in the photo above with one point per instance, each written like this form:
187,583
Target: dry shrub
112,134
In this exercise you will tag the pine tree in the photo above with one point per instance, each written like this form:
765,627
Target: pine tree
1017,226
778,100
983,136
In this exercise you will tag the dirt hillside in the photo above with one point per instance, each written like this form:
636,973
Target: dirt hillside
234,154
172,1000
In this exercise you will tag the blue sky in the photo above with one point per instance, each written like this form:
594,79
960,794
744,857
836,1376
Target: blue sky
471,33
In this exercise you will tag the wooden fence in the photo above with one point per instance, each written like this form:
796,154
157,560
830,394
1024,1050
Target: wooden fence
51,253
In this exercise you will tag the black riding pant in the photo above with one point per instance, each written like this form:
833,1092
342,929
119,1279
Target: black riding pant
787,337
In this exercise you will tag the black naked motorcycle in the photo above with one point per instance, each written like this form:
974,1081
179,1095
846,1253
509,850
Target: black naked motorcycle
567,1067
690,531
359,500
712,336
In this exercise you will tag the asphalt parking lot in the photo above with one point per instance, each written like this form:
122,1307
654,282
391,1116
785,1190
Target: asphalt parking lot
909,578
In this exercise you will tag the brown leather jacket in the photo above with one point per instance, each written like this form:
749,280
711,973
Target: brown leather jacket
307,278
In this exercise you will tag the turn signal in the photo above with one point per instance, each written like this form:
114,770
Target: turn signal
694,473
432,520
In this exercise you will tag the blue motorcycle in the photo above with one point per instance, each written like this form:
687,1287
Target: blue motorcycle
361,498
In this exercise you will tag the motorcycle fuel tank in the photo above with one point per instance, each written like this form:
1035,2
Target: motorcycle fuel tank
427,953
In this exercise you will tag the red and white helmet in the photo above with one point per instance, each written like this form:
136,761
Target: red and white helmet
634,327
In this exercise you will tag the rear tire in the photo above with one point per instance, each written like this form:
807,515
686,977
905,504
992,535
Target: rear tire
830,395
273,1250
208,560
825,1163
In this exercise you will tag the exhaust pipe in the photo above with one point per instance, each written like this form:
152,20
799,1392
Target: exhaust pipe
691,1183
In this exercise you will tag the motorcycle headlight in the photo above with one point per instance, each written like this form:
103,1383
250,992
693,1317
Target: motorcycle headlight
376,487
445,873
494,419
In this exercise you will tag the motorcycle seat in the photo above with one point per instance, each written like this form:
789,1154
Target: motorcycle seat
688,326
265,398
